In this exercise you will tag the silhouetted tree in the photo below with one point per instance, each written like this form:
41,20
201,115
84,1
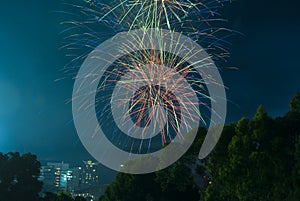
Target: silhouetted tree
60,197
260,162
19,177
296,173
295,103
255,159
50,197
77,198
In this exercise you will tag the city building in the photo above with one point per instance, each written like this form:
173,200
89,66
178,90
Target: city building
60,177
51,176
90,173
71,180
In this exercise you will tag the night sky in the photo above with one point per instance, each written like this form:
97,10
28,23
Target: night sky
34,113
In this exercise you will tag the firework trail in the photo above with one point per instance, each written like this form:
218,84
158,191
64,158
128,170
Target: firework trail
136,14
143,84
149,86
89,22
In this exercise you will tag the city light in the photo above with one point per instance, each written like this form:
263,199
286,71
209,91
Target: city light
77,181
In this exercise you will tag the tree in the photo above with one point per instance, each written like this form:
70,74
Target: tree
296,172
60,197
255,159
295,103
173,183
260,161
128,187
19,177
50,197
78,198
177,183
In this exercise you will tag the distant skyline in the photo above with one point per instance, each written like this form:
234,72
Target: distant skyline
34,113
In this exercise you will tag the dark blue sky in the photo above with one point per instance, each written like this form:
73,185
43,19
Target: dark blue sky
34,115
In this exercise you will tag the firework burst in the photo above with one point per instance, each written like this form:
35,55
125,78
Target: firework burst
89,23
157,85
153,88
170,14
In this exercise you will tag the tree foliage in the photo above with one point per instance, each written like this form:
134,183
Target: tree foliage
173,183
19,177
255,159
260,162
60,197
295,103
